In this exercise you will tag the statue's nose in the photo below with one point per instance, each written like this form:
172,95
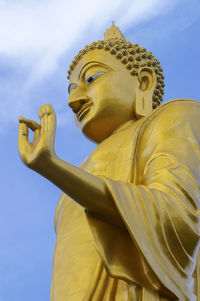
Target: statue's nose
77,103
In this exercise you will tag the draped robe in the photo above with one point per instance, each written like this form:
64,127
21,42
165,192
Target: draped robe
151,170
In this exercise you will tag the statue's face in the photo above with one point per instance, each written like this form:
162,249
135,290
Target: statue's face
102,94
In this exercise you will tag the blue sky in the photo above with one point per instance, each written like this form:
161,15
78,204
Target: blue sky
38,42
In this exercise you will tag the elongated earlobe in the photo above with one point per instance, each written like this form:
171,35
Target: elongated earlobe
143,104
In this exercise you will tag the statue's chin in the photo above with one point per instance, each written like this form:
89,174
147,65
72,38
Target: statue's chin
98,130
95,134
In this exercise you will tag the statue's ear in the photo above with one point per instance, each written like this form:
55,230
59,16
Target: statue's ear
144,94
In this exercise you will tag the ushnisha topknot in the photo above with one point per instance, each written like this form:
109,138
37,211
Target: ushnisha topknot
131,56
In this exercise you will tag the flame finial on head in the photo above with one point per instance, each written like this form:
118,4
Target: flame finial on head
113,33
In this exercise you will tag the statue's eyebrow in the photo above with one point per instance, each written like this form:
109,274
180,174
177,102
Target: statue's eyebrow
72,85
93,62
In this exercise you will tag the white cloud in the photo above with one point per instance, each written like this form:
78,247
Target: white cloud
36,33
49,27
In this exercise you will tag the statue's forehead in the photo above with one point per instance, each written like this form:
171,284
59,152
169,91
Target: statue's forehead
98,56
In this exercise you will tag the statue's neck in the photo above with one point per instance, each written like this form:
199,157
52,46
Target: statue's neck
122,127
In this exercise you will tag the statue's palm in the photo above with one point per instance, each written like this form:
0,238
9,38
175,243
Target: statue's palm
34,153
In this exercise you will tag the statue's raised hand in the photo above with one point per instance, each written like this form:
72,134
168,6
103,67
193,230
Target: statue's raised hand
36,154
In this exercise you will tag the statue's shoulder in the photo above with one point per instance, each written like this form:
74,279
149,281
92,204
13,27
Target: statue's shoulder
170,115
178,105
175,110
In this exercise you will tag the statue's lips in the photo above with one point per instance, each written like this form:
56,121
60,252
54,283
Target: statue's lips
83,111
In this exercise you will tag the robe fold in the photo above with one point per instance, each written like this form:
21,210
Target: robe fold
151,170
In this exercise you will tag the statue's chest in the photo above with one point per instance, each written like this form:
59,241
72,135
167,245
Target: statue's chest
113,158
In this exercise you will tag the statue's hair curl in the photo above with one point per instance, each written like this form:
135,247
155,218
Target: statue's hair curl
132,56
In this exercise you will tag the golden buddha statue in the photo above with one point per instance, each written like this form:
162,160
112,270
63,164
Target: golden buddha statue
127,222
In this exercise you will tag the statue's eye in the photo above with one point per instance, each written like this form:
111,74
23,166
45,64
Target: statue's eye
93,77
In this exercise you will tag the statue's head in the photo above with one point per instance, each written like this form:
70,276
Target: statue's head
111,82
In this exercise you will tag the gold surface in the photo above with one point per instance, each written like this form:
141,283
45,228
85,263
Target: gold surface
133,232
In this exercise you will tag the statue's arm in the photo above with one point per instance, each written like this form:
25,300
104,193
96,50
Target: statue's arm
88,190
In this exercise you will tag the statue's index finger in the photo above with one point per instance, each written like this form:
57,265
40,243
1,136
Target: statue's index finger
33,125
